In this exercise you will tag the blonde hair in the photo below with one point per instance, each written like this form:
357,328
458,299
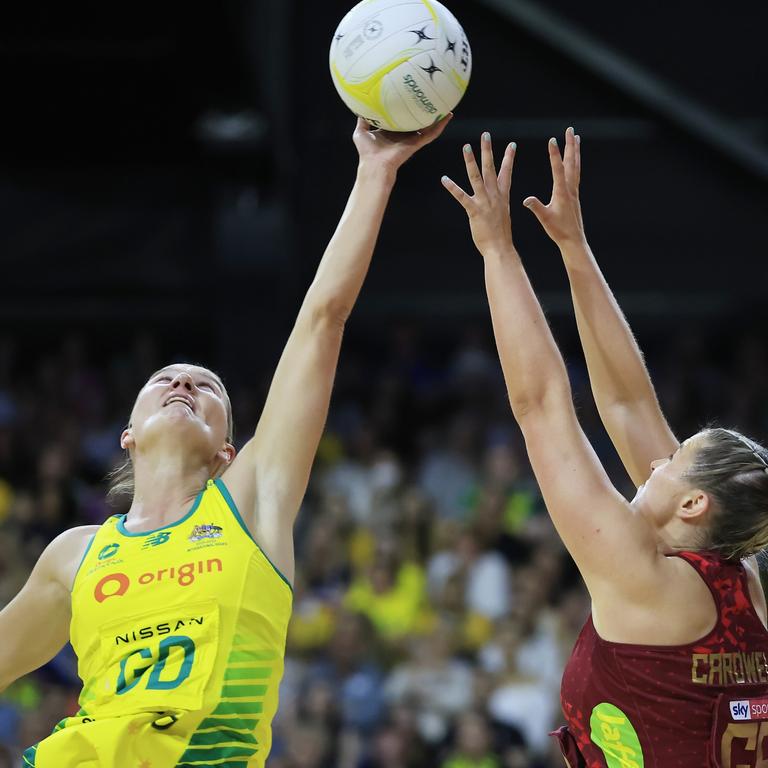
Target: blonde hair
733,470
121,481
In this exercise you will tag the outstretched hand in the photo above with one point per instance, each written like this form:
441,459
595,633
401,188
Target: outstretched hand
561,217
488,208
390,149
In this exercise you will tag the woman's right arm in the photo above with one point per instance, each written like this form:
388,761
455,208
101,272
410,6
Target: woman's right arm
34,626
622,388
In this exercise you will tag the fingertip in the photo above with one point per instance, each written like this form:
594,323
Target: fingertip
553,142
578,139
512,146
528,202
486,136
569,131
467,149
444,180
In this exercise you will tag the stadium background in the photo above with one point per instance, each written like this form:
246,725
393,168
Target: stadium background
170,176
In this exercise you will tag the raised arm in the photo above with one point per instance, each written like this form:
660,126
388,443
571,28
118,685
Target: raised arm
269,477
622,388
592,518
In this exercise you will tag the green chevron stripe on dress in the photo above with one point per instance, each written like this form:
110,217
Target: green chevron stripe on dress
210,756
242,654
239,708
232,723
258,653
222,736
247,673
243,691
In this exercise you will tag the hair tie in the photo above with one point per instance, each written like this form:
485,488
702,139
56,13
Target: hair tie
762,460
751,447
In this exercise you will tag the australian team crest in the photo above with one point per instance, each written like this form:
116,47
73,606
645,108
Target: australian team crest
210,531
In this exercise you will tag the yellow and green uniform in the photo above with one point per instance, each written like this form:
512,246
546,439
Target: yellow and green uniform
180,637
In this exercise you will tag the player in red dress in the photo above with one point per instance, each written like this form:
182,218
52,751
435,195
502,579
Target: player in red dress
671,669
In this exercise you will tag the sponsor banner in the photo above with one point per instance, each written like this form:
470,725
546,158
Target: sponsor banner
749,709
184,575
209,531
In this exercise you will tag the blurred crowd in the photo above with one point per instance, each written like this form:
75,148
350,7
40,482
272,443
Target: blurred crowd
434,604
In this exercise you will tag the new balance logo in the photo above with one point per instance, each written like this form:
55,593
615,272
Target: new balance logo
156,539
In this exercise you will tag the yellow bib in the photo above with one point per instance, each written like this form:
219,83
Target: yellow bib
187,622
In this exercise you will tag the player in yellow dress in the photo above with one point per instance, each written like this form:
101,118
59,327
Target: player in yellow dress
178,610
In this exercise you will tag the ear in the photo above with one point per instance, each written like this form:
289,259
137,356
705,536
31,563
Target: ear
694,506
126,439
227,454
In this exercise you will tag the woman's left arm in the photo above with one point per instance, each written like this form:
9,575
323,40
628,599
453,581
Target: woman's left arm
269,477
622,387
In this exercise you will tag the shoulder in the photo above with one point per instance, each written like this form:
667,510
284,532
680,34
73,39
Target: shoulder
62,557
675,607
755,568
259,508
72,539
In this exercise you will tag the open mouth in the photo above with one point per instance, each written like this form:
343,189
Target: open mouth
180,400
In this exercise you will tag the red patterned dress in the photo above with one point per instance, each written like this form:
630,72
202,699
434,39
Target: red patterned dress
702,705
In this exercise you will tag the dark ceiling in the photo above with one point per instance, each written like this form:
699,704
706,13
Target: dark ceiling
151,156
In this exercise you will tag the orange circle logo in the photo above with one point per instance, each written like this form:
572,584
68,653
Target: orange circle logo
119,579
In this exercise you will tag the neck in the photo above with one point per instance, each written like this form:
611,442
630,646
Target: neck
678,536
164,488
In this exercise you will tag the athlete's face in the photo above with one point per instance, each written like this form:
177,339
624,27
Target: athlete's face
667,493
184,401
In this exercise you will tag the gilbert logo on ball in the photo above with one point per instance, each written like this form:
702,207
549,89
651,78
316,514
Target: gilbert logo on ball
400,64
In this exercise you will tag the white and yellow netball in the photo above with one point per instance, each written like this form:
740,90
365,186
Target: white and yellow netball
400,64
